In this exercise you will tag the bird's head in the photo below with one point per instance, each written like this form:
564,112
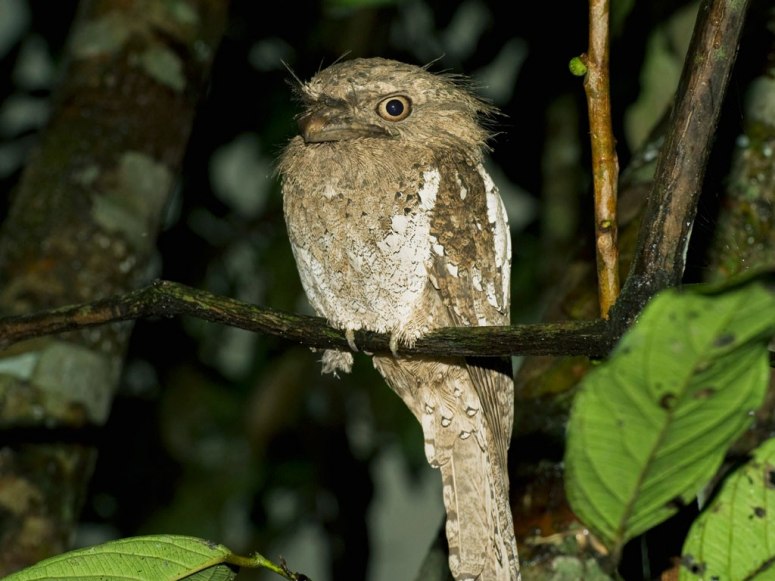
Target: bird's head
377,98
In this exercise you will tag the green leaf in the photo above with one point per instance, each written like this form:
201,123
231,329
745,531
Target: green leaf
217,573
151,558
650,427
734,537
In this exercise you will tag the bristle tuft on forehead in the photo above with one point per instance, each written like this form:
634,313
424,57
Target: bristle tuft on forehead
389,74
445,105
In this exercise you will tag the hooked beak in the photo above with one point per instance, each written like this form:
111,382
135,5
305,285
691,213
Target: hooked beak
333,124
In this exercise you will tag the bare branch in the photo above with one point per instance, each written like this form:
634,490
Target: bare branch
605,165
169,299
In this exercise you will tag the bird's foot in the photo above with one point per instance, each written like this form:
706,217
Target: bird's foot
335,361
349,334
406,337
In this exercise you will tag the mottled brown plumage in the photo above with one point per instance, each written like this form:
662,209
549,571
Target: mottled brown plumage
396,227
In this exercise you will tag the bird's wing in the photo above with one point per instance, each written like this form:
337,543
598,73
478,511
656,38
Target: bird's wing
470,268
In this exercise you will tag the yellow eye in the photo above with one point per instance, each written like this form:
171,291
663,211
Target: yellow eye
396,108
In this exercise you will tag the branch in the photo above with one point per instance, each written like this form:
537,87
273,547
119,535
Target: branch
169,299
605,166
661,255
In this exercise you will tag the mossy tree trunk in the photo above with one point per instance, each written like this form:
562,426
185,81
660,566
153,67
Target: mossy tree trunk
82,226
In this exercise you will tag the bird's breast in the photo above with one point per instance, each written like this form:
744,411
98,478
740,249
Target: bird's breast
362,240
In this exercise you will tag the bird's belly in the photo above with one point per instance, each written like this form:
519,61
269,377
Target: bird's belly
367,277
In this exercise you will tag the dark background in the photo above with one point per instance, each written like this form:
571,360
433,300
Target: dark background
237,438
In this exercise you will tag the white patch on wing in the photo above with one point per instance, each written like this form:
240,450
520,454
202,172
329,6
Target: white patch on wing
492,298
476,278
463,189
492,193
429,189
496,214
437,248
452,269
329,192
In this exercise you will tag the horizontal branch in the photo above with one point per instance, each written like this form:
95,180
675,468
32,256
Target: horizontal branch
169,299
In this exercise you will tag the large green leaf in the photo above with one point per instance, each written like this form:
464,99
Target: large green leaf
650,427
151,558
734,537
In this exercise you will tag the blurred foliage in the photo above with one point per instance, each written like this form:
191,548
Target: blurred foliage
224,435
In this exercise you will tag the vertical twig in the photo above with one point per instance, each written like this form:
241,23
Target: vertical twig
605,165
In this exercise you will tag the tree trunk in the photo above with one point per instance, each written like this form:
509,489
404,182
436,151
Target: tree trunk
82,226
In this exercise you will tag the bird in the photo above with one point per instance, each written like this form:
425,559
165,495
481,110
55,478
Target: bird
397,227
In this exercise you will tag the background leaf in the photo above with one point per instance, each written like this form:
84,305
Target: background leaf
650,427
734,538
151,558
216,573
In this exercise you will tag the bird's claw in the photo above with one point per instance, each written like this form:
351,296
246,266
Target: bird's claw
349,334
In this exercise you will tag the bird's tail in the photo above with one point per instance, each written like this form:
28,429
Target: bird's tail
480,531
479,528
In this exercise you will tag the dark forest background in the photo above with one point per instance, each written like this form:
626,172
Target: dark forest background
236,437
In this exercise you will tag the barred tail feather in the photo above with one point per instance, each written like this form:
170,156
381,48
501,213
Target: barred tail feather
460,443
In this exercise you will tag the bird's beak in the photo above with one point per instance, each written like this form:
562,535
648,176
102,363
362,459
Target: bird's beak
336,125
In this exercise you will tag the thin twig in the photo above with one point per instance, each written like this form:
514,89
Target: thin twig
605,165
168,299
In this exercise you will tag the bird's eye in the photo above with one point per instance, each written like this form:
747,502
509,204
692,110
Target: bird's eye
395,108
